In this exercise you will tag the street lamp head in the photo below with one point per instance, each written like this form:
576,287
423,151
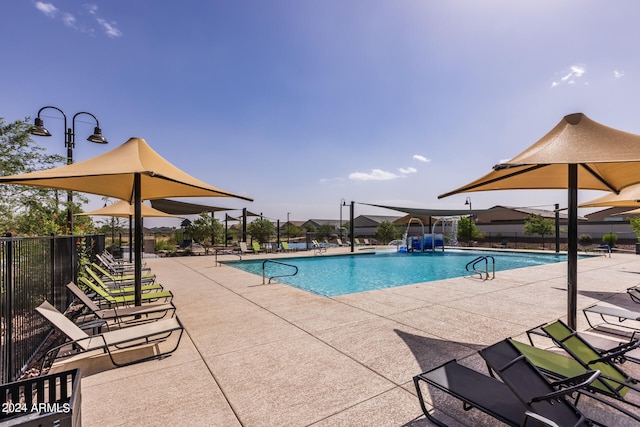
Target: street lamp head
97,136
468,201
38,128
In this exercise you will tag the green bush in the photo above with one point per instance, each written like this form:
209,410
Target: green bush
610,239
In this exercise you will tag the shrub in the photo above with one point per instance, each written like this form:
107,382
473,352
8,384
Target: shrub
610,239
585,239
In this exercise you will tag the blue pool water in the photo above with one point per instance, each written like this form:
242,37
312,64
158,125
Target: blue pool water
346,274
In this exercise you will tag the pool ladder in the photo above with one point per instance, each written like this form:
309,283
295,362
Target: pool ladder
281,275
484,274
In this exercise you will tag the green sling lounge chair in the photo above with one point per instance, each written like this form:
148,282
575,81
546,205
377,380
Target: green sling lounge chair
612,381
582,350
524,397
515,370
115,343
121,290
123,316
128,299
123,280
256,247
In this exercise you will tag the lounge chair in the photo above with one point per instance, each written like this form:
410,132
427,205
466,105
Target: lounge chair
123,316
118,268
256,247
120,290
613,382
318,247
114,343
285,247
527,382
114,300
613,316
122,279
526,396
634,294
244,249
581,349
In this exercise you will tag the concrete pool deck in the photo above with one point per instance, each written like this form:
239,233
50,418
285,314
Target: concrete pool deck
262,355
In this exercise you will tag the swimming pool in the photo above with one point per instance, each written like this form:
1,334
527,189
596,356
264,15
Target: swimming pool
347,274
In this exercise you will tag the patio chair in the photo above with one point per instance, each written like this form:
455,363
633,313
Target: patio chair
285,247
123,316
256,247
318,247
528,397
581,349
613,382
527,382
122,279
118,268
115,343
115,300
118,289
614,316
244,249
634,294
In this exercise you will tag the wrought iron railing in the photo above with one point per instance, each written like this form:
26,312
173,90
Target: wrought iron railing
32,270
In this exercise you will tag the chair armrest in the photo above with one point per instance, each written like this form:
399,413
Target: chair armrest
569,385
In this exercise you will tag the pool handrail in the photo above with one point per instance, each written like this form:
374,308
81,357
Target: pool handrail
282,275
481,258
223,252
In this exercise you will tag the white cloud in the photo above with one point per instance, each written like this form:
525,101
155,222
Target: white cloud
420,158
374,175
617,74
570,78
110,29
69,20
407,171
46,8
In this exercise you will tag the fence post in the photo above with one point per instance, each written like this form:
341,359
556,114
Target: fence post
52,266
8,331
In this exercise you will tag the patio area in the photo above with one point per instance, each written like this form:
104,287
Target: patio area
257,355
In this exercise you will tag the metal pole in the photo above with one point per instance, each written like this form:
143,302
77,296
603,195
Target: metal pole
137,184
244,225
572,256
351,227
557,210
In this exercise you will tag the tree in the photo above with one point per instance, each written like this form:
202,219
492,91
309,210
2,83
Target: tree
537,224
467,230
324,231
291,230
29,210
634,223
206,230
261,230
386,232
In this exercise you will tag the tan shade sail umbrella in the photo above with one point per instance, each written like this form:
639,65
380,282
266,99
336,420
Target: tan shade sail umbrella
124,209
628,197
132,172
577,153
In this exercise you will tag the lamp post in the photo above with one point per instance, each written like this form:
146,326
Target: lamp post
343,202
69,142
288,226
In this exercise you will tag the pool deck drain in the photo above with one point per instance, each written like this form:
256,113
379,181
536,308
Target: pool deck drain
256,355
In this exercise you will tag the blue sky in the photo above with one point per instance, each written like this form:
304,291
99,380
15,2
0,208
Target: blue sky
299,104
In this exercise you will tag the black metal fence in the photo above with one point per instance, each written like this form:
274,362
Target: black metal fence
32,270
